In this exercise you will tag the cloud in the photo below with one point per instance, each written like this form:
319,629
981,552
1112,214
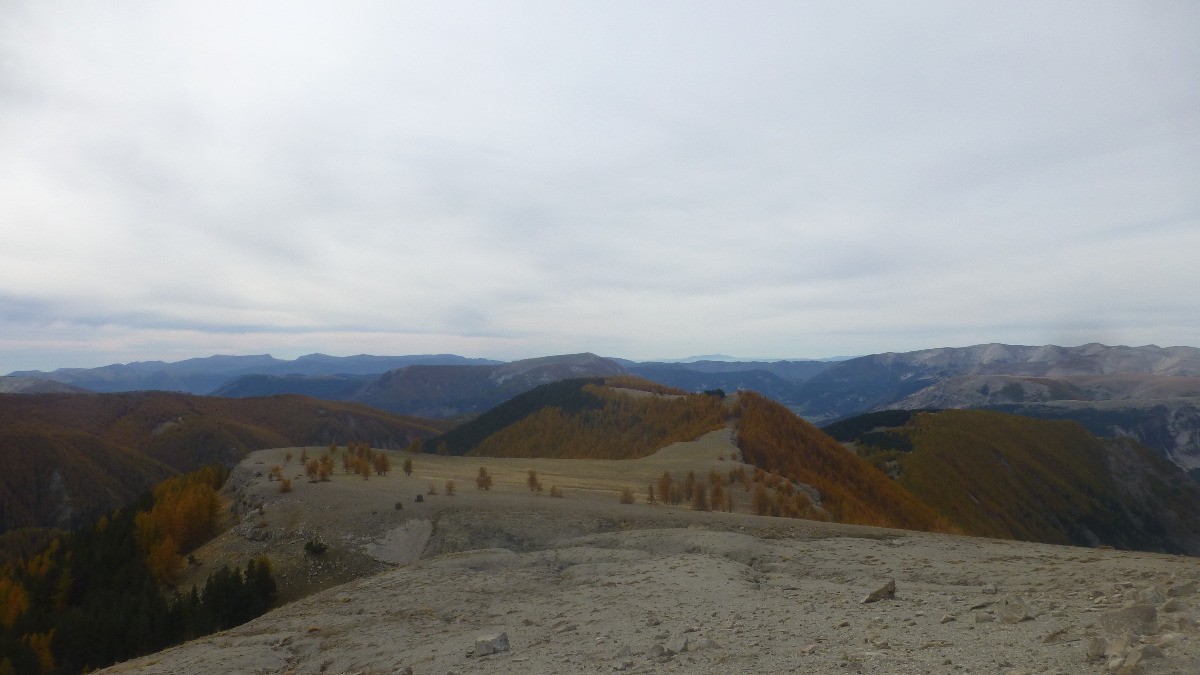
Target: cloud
515,179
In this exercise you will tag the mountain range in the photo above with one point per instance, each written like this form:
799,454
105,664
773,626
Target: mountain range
204,375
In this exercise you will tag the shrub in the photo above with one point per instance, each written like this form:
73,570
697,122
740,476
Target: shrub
381,464
420,498
408,466
626,496
484,480
532,481
760,503
449,488
432,489
555,492
665,488
650,494
285,485
400,506
315,547
700,498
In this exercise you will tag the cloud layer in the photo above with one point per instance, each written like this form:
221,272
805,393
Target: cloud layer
644,180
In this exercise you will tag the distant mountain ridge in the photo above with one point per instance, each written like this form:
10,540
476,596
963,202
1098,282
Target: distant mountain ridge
10,384
205,375
881,380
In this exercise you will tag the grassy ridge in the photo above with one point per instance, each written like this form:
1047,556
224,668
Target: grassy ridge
586,419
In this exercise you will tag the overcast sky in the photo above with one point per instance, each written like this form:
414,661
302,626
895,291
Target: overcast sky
636,179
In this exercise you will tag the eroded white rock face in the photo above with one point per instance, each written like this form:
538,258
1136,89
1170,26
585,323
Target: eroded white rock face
402,545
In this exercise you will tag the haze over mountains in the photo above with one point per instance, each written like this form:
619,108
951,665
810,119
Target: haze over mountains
1149,393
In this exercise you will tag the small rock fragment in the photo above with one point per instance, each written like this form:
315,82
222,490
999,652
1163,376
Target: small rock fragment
1096,648
1055,635
1150,596
884,592
1150,652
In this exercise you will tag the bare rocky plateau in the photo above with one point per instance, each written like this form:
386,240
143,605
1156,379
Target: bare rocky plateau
586,584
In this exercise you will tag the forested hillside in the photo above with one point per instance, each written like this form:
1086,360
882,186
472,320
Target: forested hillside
66,459
95,596
1012,477
774,439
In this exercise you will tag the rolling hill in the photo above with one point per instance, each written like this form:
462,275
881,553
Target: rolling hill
66,459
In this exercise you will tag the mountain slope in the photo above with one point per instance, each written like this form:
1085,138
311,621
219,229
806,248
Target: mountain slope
771,437
881,380
328,387
66,459
1012,477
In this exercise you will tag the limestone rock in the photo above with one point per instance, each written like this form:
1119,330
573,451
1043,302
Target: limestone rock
1138,619
884,592
1182,590
1174,605
1014,609
678,644
491,644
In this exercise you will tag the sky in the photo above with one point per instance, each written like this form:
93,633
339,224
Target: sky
631,178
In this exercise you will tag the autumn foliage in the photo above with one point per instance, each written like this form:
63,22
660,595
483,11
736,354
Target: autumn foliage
185,514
